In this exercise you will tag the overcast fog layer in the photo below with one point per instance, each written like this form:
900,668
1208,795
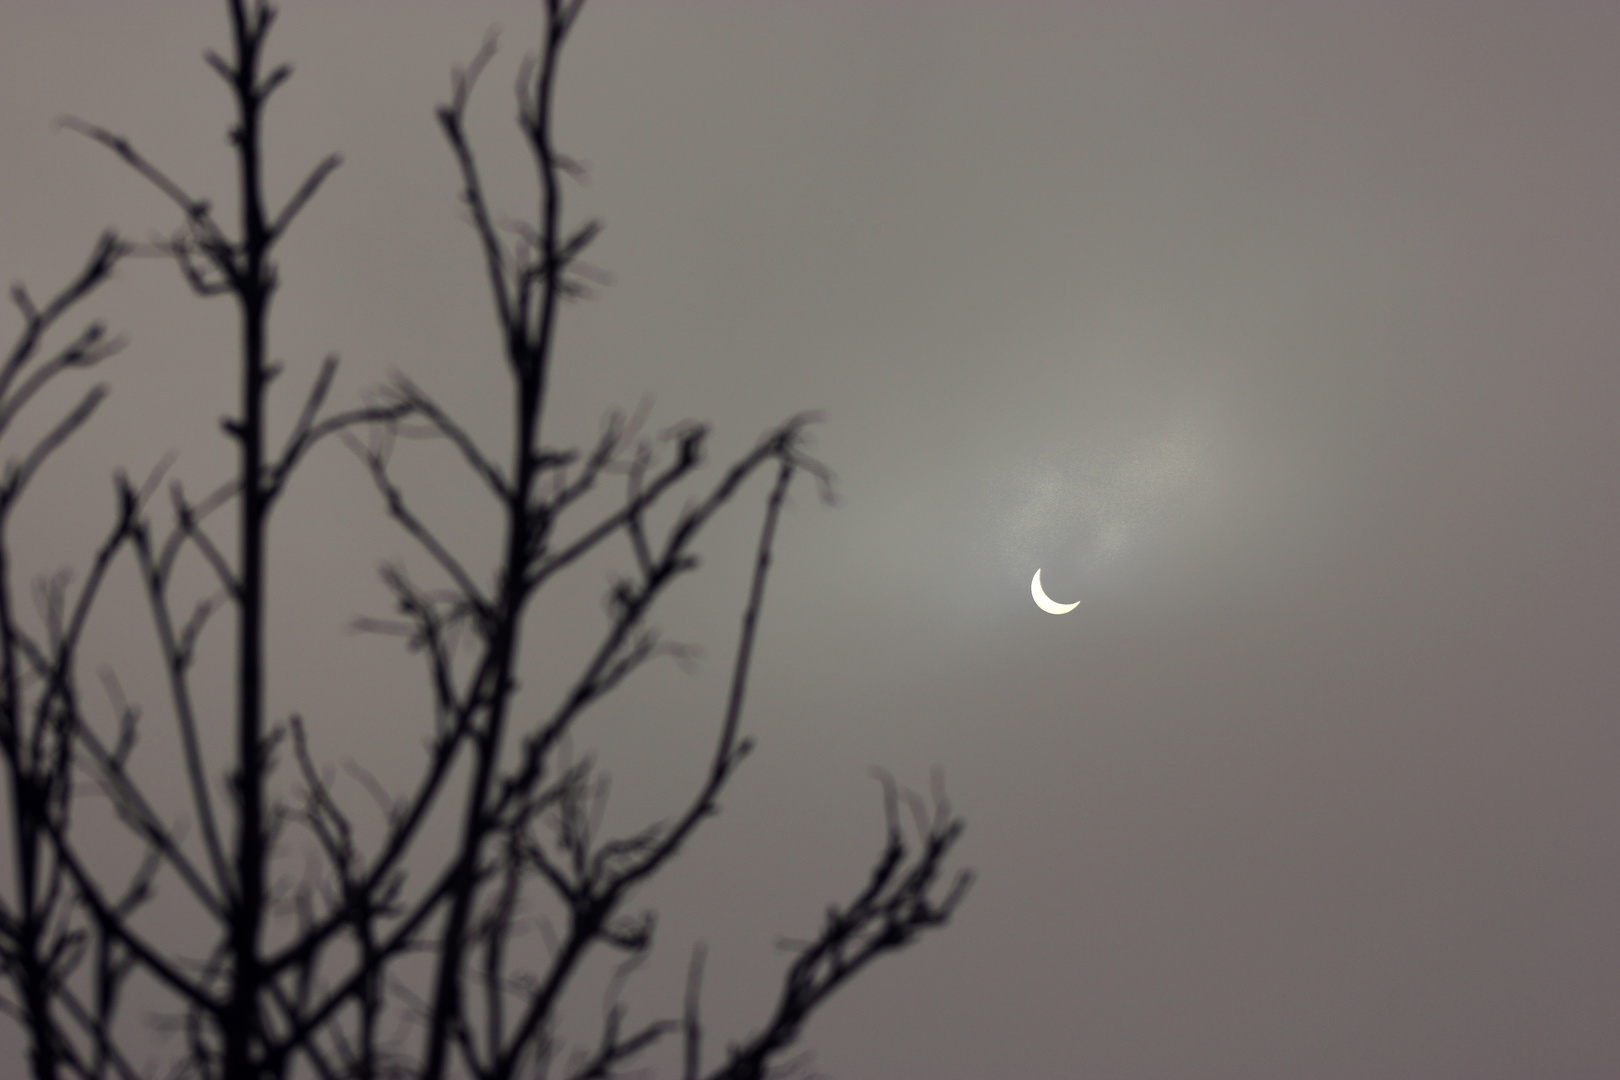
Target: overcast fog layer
1282,336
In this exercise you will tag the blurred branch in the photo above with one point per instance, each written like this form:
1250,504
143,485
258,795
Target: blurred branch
202,232
86,350
884,917
41,942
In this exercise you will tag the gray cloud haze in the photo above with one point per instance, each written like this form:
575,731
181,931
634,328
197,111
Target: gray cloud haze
1282,336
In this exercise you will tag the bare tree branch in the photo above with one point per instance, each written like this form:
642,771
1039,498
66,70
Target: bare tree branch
313,998
376,460
40,945
204,234
451,119
893,909
306,190
419,402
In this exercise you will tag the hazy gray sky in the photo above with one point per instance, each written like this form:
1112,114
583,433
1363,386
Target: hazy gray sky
1283,336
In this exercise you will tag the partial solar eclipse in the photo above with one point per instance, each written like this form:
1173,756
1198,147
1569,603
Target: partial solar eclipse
1044,602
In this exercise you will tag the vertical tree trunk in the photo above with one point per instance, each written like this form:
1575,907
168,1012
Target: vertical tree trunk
247,916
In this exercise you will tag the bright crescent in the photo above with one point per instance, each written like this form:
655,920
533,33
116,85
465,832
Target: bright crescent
1046,603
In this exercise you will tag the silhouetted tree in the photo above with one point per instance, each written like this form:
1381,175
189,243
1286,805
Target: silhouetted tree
312,1000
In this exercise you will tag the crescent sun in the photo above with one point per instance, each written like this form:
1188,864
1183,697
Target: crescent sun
1044,602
